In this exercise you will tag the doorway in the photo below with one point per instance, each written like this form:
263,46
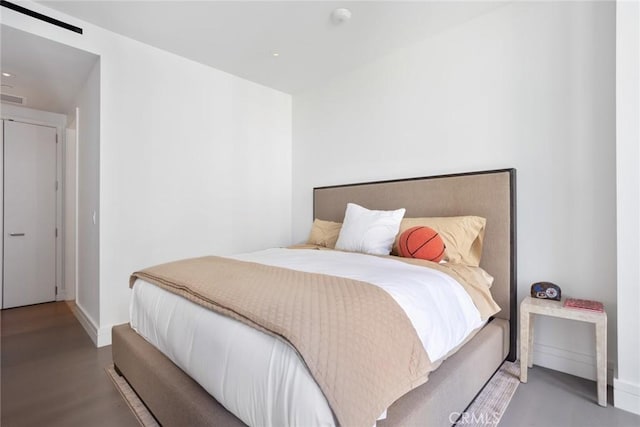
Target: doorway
30,232
52,80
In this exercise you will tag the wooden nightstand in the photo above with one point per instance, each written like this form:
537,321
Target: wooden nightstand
543,307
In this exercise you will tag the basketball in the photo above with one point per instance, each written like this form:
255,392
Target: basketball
421,242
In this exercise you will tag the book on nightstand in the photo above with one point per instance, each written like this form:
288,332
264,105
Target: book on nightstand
584,304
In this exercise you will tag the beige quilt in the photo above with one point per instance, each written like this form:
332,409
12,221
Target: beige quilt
356,341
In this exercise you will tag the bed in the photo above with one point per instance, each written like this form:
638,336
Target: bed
176,399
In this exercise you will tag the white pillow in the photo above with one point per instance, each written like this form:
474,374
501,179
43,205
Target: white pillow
367,231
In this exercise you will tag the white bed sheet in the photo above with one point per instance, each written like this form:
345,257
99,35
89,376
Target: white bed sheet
242,368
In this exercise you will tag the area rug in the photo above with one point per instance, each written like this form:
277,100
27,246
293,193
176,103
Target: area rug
133,401
486,410
491,403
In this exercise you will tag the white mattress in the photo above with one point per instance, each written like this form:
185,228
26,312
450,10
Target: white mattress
260,378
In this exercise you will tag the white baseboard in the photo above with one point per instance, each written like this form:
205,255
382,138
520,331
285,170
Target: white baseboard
86,321
578,364
104,336
626,396
100,336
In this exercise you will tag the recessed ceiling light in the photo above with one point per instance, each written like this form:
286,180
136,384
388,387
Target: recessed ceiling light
7,74
276,54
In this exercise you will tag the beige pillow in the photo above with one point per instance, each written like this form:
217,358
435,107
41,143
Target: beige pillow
462,235
324,233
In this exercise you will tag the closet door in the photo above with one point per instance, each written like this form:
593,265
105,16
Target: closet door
29,214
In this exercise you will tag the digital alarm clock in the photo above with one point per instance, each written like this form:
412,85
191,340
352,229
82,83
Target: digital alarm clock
546,290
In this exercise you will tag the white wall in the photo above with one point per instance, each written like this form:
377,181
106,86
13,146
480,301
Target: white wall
88,179
627,381
192,160
203,167
528,85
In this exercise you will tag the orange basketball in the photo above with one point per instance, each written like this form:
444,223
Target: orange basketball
421,242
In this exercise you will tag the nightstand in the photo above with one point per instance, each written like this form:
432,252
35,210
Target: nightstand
542,307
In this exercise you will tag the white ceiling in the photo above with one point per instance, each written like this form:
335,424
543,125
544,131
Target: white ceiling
48,74
240,37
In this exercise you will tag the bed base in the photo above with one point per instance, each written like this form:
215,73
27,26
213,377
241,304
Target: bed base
175,399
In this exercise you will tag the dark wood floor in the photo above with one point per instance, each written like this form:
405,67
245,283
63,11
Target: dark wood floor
52,374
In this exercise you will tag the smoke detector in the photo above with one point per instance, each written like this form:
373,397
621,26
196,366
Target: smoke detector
340,16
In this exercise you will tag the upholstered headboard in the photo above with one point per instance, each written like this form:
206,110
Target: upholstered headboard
489,194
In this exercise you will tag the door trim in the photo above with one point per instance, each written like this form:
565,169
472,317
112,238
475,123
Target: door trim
2,214
70,293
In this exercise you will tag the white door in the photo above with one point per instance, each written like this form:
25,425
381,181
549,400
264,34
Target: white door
29,214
